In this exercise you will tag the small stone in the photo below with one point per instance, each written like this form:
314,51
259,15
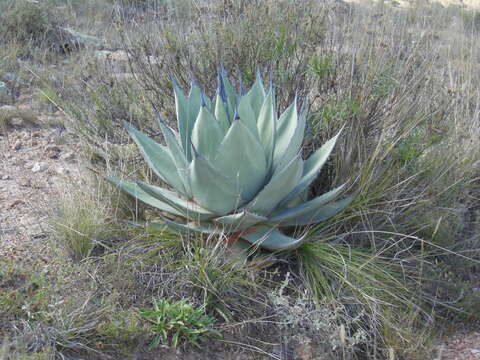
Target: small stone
35,231
39,167
52,147
8,77
3,88
52,151
26,182
106,55
17,145
16,121
8,108
62,171
69,155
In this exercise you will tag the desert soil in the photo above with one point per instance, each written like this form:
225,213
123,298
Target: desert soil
35,163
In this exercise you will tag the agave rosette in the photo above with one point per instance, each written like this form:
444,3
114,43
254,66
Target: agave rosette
234,167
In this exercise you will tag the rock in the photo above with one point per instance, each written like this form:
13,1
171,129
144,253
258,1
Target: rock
26,182
4,92
75,40
8,77
62,171
39,167
153,60
476,165
17,145
4,88
124,76
8,108
6,177
303,349
106,55
52,151
35,230
69,155
24,101
18,115
16,121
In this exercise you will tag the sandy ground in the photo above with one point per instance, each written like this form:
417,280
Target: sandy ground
35,162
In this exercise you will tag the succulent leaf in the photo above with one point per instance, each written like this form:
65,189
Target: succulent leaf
176,152
271,239
187,208
281,183
240,221
206,134
287,125
256,95
138,193
308,209
159,159
183,115
187,110
295,145
184,228
240,158
221,114
312,168
211,189
247,115
267,127
231,96
320,214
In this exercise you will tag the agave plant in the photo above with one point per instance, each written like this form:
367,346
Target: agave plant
234,167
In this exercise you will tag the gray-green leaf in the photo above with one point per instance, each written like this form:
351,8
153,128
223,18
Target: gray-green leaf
240,158
272,239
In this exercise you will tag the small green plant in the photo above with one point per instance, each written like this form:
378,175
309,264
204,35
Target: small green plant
236,168
174,323
321,66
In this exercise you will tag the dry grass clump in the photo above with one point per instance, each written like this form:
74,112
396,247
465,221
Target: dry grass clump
80,225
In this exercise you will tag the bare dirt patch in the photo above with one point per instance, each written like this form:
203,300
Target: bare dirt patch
35,162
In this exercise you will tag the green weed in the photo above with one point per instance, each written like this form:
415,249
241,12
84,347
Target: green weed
180,322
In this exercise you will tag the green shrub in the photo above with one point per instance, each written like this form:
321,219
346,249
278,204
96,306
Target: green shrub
32,24
177,322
